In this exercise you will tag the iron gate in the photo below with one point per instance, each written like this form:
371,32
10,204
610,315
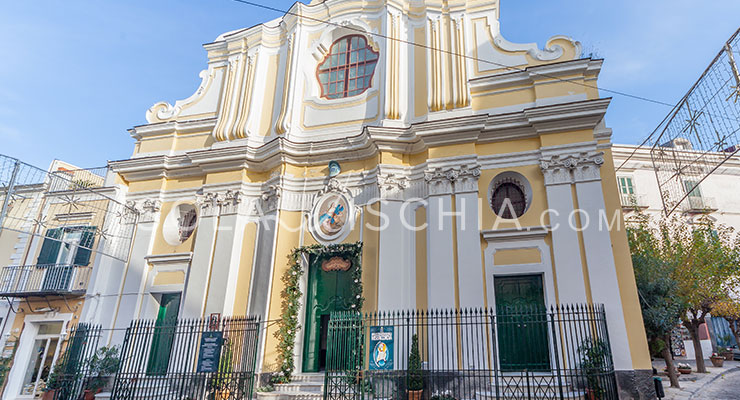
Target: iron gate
170,360
68,377
460,354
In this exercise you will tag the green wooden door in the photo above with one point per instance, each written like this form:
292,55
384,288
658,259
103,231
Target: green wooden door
327,292
521,323
164,334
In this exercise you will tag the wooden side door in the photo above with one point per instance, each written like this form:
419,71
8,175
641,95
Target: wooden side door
521,323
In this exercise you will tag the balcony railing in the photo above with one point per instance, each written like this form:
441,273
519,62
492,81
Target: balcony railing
698,204
633,200
76,179
35,280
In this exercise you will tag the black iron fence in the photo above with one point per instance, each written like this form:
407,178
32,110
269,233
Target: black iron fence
516,353
188,359
69,377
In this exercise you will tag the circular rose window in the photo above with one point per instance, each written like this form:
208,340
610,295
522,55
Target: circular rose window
180,224
510,195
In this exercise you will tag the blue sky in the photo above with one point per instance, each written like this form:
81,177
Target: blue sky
77,74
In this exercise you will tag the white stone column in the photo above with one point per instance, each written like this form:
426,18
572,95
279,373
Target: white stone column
469,263
194,298
132,287
440,257
565,244
396,265
226,256
599,254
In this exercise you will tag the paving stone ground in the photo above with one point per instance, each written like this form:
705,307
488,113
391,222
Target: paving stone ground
718,384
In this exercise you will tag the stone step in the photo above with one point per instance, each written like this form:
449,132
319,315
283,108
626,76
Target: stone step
308,377
521,392
277,395
299,386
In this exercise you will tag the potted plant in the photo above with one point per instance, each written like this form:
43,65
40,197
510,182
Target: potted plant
102,366
717,360
594,353
415,380
222,378
725,351
55,380
684,368
446,395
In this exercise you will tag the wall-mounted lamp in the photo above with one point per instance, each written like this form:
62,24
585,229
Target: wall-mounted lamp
334,169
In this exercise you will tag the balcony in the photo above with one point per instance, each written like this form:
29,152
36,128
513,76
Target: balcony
632,201
698,205
76,179
41,280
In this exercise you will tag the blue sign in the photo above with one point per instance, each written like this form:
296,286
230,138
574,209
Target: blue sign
381,347
210,351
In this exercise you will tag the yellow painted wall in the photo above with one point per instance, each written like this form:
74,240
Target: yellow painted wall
246,266
517,256
169,278
625,271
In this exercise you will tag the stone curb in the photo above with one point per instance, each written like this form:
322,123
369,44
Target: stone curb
700,388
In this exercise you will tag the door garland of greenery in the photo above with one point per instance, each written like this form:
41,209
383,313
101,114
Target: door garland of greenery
291,296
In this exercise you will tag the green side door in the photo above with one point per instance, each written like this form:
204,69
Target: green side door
164,334
521,323
327,292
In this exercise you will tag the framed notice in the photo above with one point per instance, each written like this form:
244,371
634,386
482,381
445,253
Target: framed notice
209,353
381,347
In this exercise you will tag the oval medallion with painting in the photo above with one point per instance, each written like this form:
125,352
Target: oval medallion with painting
330,216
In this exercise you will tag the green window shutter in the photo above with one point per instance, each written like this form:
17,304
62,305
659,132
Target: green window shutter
630,188
82,258
50,247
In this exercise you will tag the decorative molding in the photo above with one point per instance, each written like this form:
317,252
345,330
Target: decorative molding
270,199
78,216
148,209
392,186
525,233
208,203
230,201
164,111
572,168
176,258
266,156
448,180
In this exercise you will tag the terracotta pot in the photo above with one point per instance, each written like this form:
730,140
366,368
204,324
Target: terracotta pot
90,395
717,361
591,394
49,395
415,394
729,356
684,371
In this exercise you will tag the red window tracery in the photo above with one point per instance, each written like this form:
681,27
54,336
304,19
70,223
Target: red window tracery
348,68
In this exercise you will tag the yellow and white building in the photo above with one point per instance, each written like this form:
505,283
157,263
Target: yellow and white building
53,225
433,120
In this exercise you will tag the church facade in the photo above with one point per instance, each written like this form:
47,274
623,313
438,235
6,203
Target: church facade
462,162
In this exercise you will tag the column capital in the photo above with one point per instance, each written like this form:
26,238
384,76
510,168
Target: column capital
147,209
449,180
572,168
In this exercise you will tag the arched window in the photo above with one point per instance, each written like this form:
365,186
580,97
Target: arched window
348,68
512,192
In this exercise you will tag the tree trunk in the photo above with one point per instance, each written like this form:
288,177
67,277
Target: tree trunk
668,357
735,328
693,327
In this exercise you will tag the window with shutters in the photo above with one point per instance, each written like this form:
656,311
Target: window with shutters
692,188
67,246
625,185
348,68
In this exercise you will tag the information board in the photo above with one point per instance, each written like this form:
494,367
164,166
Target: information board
210,351
381,347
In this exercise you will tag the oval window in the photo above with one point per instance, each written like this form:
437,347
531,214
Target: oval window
508,200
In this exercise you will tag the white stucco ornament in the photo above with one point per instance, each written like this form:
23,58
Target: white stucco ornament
331,218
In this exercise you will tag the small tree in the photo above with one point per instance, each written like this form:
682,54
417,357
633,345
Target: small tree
706,261
729,309
661,306
414,373
102,366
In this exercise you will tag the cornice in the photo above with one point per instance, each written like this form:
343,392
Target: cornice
585,67
368,143
171,127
